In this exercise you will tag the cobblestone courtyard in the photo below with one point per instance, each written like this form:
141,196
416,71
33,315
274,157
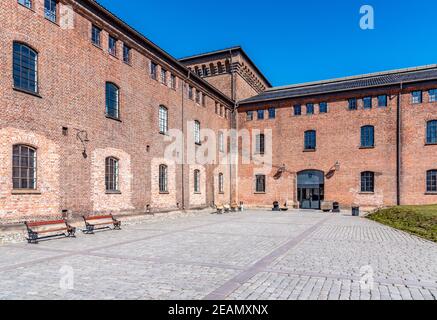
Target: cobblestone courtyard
250,255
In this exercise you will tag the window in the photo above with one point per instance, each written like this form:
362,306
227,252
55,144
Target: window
353,104
431,181
216,108
190,92
173,82
197,96
204,100
163,76
163,178
367,103
221,142
112,45
249,115
297,110
126,54
197,132
272,113
50,10
382,101
163,120
260,144
310,140
260,114
310,108
96,36
323,107
153,70
221,111
26,3
111,174
112,100
25,71
432,95
367,137
368,182
416,97
23,167
197,181
431,132
221,183
260,185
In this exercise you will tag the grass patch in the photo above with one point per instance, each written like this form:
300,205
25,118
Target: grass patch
418,220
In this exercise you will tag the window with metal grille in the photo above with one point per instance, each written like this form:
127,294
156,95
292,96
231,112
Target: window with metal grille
310,108
323,107
382,101
127,54
163,120
367,181
23,167
367,136
272,113
112,100
197,181
297,110
431,181
163,178
416,97
96,33
260,183
111,174
353,104
112,45
26,3
260,144
153,70
367,103
221,183
25,73
310,140
51,10
431,132
197,132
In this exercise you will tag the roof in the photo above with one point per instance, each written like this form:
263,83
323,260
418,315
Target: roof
227,50
371,80
104,13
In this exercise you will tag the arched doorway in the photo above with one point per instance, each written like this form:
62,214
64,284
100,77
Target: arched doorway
310,189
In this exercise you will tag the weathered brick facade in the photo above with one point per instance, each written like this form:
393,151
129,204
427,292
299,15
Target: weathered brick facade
65,121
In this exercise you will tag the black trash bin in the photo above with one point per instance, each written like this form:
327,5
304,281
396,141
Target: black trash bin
355,211
336,207
276,206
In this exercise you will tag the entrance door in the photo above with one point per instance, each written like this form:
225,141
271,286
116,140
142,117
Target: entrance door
310,189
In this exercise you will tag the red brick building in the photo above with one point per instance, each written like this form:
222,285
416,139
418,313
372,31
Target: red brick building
90,108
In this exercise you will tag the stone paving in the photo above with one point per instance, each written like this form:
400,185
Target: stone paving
252,255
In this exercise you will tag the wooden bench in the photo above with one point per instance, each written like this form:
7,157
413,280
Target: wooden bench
93,223
59,228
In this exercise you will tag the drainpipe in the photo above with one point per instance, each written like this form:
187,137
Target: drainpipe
398,145
183,141
231,120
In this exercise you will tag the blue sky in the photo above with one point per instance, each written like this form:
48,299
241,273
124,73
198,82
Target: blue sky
292,41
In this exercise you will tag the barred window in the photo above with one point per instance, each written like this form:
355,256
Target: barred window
323,107
297,110
23,167
431,181
196,180
367,136
310,140
96,35
26,3
260,183
260,144
163,120
367,103
153,70
431,132
51,10
197,132
25,71
221,183
111,174
163,178
367,181
112,100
